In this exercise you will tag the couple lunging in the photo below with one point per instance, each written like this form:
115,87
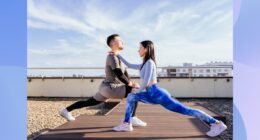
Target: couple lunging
118,85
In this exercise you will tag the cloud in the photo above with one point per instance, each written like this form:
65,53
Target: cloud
194,31
48,16
63,53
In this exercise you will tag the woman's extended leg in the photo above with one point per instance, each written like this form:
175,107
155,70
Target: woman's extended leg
161,96
172,104
164,98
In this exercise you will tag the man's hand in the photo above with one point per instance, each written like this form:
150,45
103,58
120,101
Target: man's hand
136,85
133,84
130,84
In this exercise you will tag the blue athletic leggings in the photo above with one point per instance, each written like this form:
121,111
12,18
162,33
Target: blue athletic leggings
157,95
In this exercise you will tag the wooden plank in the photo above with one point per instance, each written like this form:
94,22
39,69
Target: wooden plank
162,124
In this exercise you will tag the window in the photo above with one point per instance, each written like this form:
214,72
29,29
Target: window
208,70
184,75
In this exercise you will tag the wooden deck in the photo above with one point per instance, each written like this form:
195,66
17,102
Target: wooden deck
162,124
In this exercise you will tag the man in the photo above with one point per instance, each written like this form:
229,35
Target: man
116,85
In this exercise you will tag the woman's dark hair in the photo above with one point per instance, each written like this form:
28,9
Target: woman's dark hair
147,44
110,38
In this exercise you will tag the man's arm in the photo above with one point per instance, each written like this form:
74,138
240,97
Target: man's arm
114,62
126,74
121,76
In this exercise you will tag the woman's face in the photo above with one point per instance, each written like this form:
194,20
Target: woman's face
142,50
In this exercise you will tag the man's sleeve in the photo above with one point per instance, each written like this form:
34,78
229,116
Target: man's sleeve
122,77
115,65
114,62
126,74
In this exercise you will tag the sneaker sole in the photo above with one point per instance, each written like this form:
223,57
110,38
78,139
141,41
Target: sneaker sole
123,130
139,125
66,118
218,133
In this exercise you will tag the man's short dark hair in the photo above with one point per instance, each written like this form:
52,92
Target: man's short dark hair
110,38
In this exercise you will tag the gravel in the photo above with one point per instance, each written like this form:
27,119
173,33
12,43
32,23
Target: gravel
222,107
42,113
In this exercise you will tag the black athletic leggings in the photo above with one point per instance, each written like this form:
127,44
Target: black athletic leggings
93,102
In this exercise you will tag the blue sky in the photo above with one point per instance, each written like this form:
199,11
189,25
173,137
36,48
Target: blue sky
73,32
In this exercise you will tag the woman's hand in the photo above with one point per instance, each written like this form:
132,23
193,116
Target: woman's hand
110,52
134,89
113,53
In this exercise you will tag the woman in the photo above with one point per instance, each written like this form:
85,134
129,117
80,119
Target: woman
150,92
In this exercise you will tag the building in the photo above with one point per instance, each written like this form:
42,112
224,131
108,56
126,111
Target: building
212,69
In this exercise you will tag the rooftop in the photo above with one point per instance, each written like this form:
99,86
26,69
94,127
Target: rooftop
162,124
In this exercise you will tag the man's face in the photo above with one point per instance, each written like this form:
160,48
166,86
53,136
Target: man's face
117,43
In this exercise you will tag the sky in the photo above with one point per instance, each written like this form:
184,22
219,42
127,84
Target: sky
73,33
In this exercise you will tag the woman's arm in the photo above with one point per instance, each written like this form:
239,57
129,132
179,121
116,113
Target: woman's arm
129,65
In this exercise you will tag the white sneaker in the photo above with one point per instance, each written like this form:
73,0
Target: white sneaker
123,127
138,122
66,114
217,129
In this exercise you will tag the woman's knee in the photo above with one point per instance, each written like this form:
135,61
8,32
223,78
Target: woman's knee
130,97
